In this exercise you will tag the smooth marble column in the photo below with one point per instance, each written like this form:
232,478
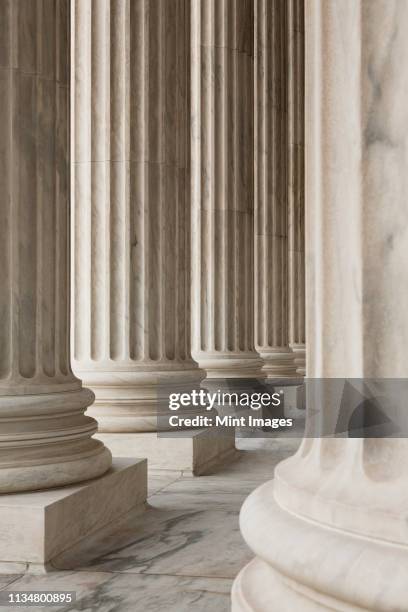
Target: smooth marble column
296,179
271,189
222,188
131,230
45,438
330,532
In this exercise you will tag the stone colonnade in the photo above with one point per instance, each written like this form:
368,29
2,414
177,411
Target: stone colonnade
330,531
147,76
162,140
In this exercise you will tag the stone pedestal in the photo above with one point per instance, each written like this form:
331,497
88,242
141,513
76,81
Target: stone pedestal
37,527
330,532
197,453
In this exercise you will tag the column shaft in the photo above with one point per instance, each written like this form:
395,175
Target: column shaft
222,188
132,206
45,439
271,189
296,176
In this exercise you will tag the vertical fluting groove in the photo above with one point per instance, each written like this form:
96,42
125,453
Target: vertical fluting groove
174,245
138,40
235,92
116,211
82,177
26,135
14,195
59,287
7,295
126,253
100,176
224,154
162,136
198,313
39,194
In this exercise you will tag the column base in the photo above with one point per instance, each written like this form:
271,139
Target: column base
37,527
249,593
46,440
230,365
279,362
295,396
199,452
305,565
299,351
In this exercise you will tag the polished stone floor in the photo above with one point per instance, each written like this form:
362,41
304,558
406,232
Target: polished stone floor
180,555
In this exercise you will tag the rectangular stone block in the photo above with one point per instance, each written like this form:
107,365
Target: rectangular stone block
37,526
198,453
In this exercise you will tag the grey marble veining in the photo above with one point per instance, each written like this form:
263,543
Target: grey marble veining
180,554
105,592
160,480
8,579
181,543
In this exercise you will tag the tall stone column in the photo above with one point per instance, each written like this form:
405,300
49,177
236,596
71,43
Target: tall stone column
296,180
131,225
45,439
336,512
222,188
46,443
271,189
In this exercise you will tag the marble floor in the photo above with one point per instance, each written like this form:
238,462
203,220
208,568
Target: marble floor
180,555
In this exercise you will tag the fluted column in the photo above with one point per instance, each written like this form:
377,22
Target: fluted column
132,220
336,512
296,176
222,188
271,189
45,439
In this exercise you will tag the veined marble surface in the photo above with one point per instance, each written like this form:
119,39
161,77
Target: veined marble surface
180,555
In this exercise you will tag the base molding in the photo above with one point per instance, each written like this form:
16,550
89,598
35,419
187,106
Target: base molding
198,452
37,527
282,595
305,565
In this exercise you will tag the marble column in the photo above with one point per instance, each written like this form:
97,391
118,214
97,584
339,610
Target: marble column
222,188
330,531
131,231
271,189
296,182
45,438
